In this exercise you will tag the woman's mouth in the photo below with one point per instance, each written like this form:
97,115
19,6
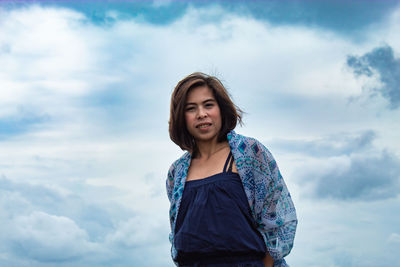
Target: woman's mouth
203,125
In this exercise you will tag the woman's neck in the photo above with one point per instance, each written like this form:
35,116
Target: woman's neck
206,150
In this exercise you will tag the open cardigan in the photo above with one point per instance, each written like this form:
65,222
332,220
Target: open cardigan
269,199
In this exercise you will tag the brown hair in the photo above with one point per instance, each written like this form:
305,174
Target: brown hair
230,113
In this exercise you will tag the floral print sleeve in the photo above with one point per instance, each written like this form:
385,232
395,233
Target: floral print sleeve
269,198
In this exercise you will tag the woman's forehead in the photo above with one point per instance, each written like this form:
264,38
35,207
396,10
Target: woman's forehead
199,94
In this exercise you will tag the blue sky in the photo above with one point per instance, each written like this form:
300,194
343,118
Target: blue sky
84,105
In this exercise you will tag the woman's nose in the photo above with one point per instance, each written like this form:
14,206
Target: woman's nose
202,113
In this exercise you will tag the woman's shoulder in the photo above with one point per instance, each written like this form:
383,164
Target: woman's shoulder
245,143
249,147
182,160
252,153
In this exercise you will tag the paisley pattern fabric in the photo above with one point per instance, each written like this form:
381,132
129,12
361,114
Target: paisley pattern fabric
269,199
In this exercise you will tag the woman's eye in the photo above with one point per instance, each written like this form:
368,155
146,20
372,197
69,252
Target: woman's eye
189,108
209,105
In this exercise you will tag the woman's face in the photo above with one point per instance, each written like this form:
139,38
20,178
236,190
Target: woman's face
202,115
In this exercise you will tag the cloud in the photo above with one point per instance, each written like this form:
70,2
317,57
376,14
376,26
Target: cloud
106,13
345,166
343,17
22,123
352,228
380,62
64,69
45,237
332,145
52,224
364,177
394,238
136,232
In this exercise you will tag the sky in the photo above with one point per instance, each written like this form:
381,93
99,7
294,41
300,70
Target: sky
84,105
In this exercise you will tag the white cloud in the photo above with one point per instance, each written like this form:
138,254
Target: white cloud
345,234
138,232
394,238
79,224
45,237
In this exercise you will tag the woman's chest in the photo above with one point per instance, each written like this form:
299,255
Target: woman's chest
202,169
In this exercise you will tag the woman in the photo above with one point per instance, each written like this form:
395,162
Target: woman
229,203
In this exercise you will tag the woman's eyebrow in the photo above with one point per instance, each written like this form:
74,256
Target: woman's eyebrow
208,100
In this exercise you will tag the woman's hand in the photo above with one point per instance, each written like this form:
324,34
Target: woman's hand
268,260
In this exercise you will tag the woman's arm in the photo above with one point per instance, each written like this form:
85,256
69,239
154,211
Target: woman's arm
277,218
268,260
269,198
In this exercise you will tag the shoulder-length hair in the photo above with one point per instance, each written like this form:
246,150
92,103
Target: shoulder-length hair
230,113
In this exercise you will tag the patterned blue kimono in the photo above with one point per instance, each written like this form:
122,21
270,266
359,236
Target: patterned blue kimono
269,199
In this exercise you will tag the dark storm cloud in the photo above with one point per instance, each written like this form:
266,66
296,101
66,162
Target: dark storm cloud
381,62
332,145
369,177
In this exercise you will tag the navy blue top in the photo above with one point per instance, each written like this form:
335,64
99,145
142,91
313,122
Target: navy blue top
215,221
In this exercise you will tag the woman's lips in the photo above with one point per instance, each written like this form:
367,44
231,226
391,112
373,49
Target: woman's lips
203,125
